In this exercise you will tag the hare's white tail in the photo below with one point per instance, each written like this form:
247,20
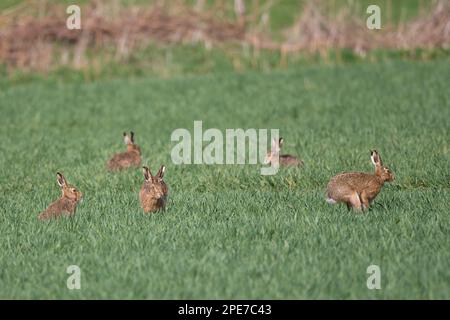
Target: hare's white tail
331,201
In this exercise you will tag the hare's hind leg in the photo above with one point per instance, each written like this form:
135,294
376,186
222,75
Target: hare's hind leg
355,201
364,201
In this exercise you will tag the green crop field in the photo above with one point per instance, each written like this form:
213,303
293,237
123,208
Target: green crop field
229,232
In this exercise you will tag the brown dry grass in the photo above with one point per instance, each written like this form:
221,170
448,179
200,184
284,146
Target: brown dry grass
315,32
34,36
28,41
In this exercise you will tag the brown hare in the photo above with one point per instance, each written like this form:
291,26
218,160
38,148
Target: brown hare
358,189
285,160
154,191
67,204
130,158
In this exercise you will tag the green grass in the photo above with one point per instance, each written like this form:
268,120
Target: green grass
228,231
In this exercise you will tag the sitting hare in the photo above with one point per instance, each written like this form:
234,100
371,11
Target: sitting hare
285,160
153,195
132,157
358,189
67,204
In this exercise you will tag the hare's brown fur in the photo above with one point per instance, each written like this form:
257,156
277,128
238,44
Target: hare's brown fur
154,191
359,189
285,160
130,158
66,205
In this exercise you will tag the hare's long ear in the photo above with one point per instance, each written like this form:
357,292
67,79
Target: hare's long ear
126,138
147,173
280,142
376,159
161,171
61,180
132,137
274,146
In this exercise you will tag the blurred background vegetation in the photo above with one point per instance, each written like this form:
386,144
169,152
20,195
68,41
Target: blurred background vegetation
168,38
